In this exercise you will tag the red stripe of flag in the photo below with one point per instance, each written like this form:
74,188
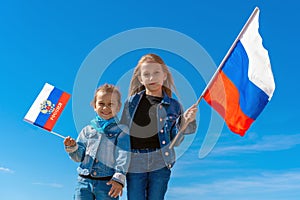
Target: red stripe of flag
224,97
57,111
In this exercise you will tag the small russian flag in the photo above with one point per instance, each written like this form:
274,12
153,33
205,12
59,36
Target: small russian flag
47,107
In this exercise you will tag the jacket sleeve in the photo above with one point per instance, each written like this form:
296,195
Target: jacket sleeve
77,153
191,127
176,126
122,155
125,114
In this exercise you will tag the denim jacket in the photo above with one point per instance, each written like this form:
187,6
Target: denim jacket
169,113
102,154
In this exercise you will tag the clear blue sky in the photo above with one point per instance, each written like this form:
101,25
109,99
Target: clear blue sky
49,42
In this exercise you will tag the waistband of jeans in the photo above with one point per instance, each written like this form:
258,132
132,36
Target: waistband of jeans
105,178
145,150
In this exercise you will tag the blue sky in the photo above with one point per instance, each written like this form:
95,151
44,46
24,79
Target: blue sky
53,41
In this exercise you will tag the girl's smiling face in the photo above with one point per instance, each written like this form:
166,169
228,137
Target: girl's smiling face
107,105
152,77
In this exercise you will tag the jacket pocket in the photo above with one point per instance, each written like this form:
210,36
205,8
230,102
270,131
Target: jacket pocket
170,122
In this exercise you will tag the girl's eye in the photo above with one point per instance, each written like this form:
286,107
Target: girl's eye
107,105
146,74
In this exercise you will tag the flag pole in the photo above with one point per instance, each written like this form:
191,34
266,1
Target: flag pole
229,52
183,127
59,135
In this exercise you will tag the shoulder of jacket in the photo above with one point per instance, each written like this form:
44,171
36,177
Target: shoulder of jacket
135,96
175,102
123,128
172,100
89,131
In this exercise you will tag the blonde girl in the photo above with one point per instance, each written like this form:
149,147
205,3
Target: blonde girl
153,118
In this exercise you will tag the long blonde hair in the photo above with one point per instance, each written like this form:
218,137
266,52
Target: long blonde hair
136,86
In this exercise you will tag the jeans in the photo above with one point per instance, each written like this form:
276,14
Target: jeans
148,176
88,189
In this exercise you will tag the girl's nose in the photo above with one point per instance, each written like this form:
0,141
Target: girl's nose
105,107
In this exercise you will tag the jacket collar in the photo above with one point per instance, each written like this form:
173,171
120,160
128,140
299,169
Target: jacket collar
166,99
102,125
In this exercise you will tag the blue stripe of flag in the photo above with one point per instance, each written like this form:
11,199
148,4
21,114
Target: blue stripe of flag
252,98
54,98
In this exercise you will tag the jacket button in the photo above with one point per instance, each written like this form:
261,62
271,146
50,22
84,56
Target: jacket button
166,153
160,119
169,166
163,142
160,107
95,173
161,131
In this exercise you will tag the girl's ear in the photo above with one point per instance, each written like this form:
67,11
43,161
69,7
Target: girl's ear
165,76
119,107
140,80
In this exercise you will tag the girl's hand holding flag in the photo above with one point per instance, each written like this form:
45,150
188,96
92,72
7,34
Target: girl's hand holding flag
190,114
69,142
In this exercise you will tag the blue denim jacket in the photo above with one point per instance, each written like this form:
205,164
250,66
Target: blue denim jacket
102,154
169,113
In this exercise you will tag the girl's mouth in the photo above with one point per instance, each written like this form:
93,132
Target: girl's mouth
105,113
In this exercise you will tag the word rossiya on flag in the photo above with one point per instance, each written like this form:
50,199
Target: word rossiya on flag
245,83
47,107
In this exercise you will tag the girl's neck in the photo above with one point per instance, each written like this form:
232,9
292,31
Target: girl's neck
154,93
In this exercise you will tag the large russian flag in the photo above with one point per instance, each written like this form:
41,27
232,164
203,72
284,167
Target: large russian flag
47,107
245,84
